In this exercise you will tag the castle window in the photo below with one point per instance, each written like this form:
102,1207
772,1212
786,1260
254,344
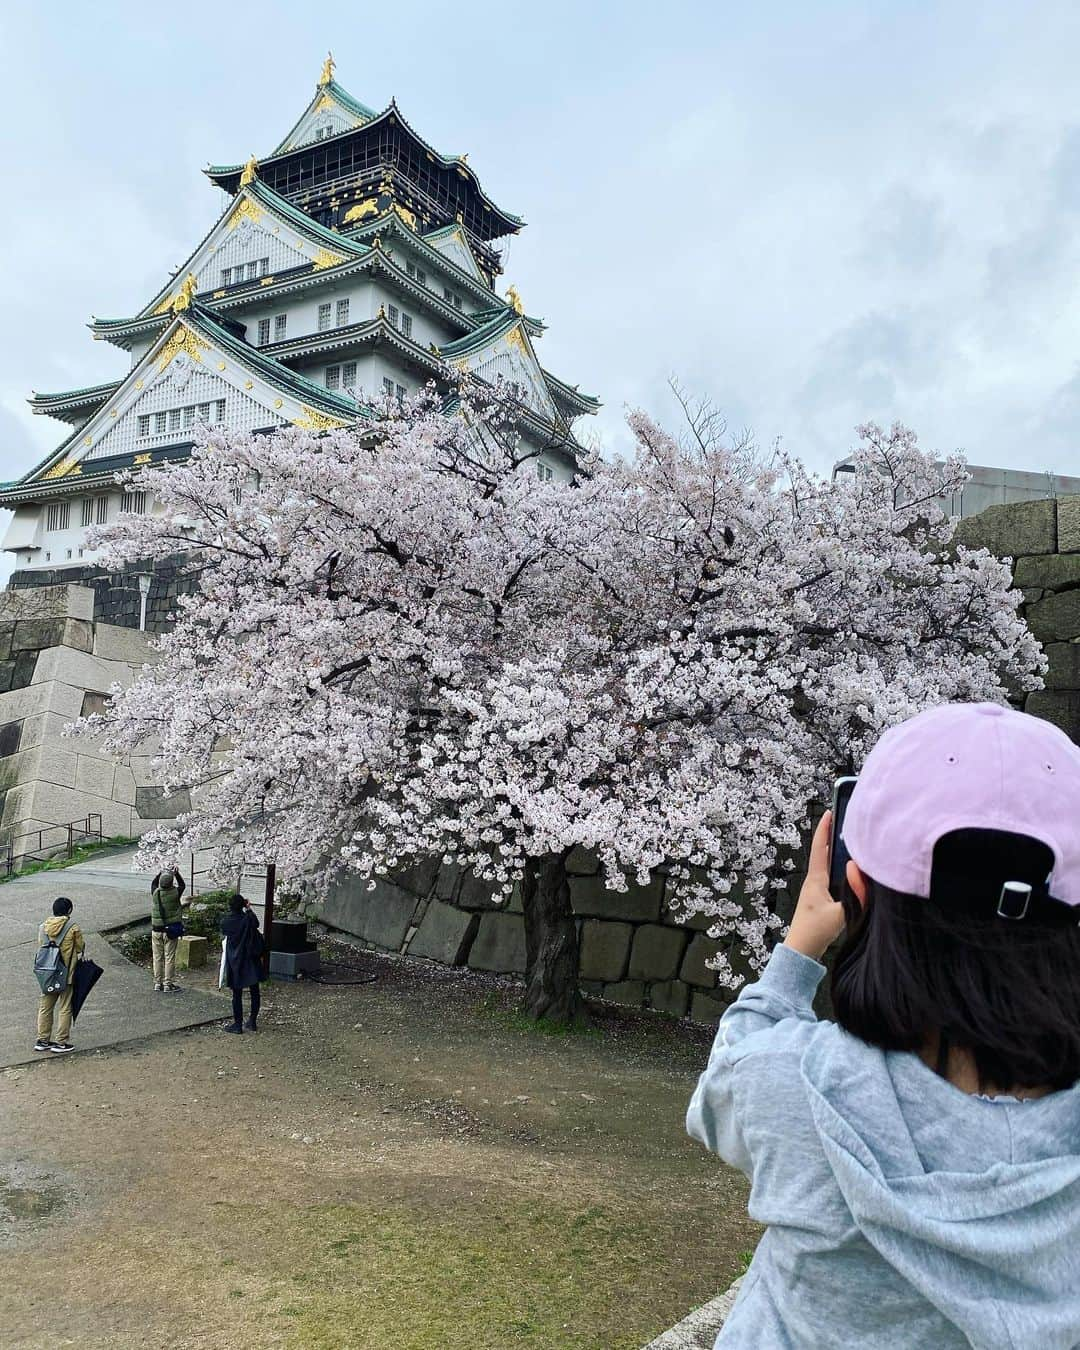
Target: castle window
324,317
333,377
102,510
57,515
348,375
135,503
406,324
280,322
174,419
418,274
264,332
264,266
451,297
544,472
392,314
160,420
220,407
144,424
342,315
87,511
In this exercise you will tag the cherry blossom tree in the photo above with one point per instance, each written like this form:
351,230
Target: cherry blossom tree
404,644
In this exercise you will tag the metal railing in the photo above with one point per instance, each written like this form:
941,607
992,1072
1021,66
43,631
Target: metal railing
72,834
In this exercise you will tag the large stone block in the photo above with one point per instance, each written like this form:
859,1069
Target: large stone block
694,970
10,738
152,804
95,775
1064,670
1013,529
629,992
1060,706
191,952
500,944
382,916
123,785
473,893
605,947
59,764
656,952
420,877
582,862
1050,571
47,602
7,631
592,899
445,934
1057,618
671,996
78,635
33,635
113,643
1069,524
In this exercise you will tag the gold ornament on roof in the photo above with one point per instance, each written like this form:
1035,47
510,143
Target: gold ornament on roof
248,174
185,340
368,207
515,300
327,70
515,338
247,208
325,104
185,294
406,215
324,258
313,420
66,466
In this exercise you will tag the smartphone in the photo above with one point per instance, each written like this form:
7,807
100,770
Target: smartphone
838,854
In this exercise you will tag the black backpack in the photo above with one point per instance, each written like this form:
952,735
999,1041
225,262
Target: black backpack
49,967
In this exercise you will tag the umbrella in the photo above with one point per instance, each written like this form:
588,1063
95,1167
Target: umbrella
87,974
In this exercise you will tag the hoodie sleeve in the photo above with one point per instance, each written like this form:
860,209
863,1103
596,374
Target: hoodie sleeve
785,991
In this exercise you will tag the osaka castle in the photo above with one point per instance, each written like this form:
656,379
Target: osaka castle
353,262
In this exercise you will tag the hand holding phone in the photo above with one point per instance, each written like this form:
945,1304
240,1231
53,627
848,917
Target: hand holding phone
838,854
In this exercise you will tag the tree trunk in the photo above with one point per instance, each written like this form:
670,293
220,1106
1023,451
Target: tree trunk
551,943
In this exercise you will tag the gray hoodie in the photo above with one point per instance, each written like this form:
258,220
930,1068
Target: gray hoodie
900,1210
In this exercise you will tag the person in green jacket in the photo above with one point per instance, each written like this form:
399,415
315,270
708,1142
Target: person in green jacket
166,908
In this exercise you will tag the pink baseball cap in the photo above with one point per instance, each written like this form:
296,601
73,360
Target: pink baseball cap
965,766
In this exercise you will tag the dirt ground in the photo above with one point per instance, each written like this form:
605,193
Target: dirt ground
401,1163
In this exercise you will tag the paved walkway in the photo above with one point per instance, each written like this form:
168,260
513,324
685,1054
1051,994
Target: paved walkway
123,1005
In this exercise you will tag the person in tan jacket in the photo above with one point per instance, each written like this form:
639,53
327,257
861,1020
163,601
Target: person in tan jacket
71,948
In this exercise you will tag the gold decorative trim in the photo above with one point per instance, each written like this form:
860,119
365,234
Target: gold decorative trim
327,73
277,403
248,174
516,338
515,300
406,215
324,103
266,281
141,459
221,365
324,258
316,421
247,208
138,384
67,465
183,340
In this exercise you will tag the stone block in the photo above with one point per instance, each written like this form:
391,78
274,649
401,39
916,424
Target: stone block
474,893
656,952
447,882
1060,706
59,764
152,804
420,877
445,934
694,970
499,944
582,862
628,992
1012,529
123,785
95,775
23,669
706,1007
670,996
115,643
47,602
78,635
191,952
592,899
1057,618
1064,669
10,737
290,965
79,668
33,635
1069,524
7,676
57,804
381,916
605,947
7,631
1051,571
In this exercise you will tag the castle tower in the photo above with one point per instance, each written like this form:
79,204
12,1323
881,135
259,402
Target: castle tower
351,263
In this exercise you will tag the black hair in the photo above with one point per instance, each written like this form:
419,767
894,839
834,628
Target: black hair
61,905
913,969
236,903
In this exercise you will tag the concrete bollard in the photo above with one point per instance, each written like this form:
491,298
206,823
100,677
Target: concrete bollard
190,952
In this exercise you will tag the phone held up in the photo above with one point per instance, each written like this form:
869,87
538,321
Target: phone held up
838,854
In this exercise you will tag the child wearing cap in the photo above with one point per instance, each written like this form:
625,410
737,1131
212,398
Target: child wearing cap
917,1161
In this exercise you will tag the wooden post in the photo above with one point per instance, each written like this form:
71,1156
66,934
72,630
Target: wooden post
268,916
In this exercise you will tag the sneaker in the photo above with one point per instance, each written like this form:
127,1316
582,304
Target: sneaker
39,1044
172,989
61,1047
158,988
235,1028
249,1025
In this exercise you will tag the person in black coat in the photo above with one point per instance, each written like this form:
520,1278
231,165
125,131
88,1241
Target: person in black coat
243,961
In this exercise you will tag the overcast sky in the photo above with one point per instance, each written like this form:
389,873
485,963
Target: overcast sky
814,213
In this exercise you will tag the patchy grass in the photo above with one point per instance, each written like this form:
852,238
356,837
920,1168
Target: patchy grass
79,854
203,916
494,1006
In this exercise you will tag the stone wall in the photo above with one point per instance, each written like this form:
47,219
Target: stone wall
632,950
57,663
1043,538
116,594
